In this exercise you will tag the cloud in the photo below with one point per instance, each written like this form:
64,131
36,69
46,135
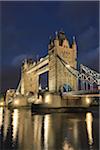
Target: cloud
18,59
89,39
88,47
91,58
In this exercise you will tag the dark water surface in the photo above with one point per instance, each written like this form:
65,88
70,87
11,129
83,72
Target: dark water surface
22,130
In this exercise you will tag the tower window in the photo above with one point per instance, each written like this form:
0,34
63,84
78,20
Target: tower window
61,42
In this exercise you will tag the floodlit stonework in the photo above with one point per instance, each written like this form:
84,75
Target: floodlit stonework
58,75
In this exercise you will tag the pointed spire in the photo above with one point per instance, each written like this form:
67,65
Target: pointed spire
50,37
25,61
56,35
74,45
61,30
73,38
25,64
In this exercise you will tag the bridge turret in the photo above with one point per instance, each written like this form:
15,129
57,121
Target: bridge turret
59,40
25,65
62,39
51,43
58,75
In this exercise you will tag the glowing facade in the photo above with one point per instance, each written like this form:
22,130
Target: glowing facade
58,76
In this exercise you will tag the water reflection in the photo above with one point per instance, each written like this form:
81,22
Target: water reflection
62,131
37,134
48,132
25,132
6,121
15,123
1,117
89,121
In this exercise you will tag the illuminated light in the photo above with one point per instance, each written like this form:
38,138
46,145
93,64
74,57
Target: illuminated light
88,100
68,66
17,93
15,123
48,99
1,103
1,116
6,122
46,88
16,102
41,59
46,131
40,88
8,91
89,120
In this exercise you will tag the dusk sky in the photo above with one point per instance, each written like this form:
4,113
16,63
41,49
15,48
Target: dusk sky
26,27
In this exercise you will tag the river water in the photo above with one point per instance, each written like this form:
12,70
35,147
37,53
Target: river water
20,129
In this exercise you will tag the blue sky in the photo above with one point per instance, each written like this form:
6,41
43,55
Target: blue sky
26,27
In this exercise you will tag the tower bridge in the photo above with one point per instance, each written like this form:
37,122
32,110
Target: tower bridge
61,65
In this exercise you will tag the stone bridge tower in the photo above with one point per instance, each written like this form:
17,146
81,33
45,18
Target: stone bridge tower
58,74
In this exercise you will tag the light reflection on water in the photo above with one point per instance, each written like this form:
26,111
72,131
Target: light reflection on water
89,120
15,123
22,130
6,122
1,117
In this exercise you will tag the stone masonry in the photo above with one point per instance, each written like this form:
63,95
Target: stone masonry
58,75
